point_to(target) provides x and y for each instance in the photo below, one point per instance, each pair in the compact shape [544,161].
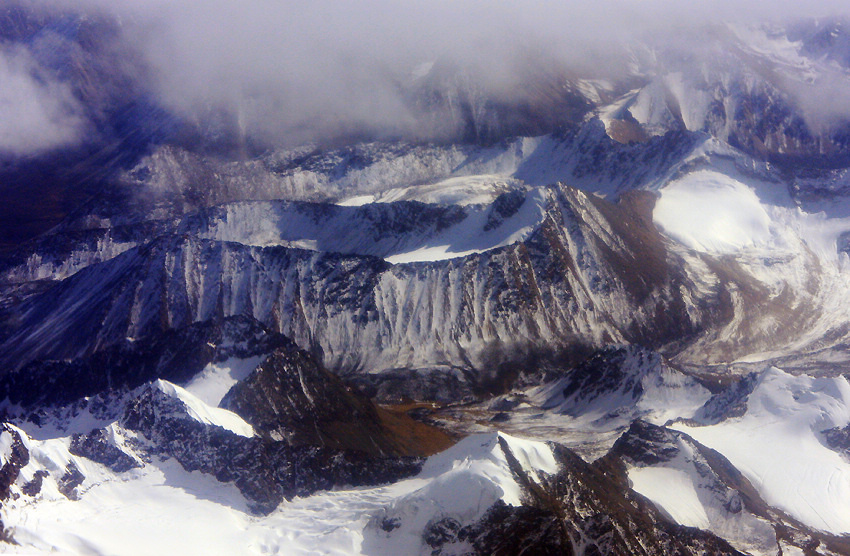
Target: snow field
[161,508]
[777,445]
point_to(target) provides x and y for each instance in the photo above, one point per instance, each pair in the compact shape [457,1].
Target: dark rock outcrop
[175,355]
[95,446]
[265,471]
[291,397]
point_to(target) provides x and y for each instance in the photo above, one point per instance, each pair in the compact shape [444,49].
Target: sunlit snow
[204,413]
[673,490]
[777,445]
[217,378]
[712,213]
[161,508]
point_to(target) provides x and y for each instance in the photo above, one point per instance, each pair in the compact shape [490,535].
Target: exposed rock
[290,397]
[173,354]
[69,482]
[96,446]
[838,439]
[730,402]
[17,456]
[33,487]
[265,471]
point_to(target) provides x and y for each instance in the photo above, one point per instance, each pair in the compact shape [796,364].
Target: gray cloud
[292,71]
[39,112]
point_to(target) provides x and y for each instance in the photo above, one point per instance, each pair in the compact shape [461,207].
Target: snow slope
[200,411]
[672,470]
[777,445]
[161,508]
[214,381]
[401,231]
[712,213]
[619,385]
[473,236]
[674,491]
[792,277]
[461,483]
[460,190]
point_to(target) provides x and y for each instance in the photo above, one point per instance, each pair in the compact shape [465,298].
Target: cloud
[287,71]
[39,112]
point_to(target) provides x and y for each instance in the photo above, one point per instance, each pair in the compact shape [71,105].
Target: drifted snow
[204,413]
[776,444]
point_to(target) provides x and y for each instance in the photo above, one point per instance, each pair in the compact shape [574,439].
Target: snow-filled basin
[712,213]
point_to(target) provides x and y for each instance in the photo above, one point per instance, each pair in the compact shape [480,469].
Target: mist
[288,72]
[39,110]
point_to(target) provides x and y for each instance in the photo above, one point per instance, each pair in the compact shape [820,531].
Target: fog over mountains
[448,278]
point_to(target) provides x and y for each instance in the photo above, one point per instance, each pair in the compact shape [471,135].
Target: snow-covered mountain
[603,313]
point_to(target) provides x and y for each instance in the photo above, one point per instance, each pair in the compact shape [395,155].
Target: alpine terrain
[279,280]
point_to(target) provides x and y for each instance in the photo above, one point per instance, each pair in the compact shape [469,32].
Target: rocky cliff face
[264,471]
[574,281]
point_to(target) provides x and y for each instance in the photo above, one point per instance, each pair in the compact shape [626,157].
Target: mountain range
[599,313]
